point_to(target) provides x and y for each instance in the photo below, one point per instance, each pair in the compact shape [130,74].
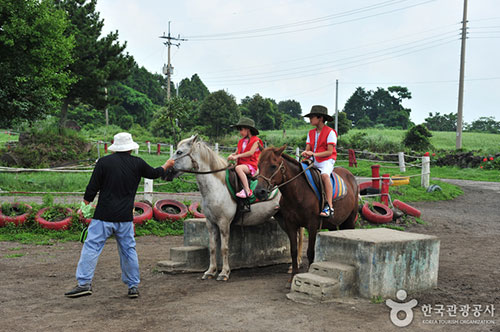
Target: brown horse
[299,206]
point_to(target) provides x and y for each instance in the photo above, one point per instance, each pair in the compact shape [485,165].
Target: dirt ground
[32,286]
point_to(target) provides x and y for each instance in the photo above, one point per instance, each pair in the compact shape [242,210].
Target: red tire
[193,208]
[175,210]
[17,220]
[56,225]
[147,213]
[408,209]
[380,214]
[364,185]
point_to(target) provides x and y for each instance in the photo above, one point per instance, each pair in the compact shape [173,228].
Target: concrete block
[249,246]
[193,255]
[172,267]
[344,274]
[317,287]
[386,260]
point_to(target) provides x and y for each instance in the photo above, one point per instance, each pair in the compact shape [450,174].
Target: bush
[417,138]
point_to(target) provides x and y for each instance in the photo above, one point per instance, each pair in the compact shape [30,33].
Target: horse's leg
[292,236]
[313,230]
[299,249]
[224,228]
[212,236]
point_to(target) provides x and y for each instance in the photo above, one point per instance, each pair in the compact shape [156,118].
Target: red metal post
[105,147]
[158,149]
[376,176]
[384,199]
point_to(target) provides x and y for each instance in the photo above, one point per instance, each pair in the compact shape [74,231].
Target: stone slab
[386,260]
[249,246]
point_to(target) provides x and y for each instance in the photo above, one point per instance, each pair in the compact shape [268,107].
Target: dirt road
[32,285]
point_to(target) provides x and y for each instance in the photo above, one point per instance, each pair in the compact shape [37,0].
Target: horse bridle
[281,168]
[196,166]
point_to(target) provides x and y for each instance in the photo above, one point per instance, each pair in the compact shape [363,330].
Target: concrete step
[345,275]
[316,287]
[190,255]
[177,267]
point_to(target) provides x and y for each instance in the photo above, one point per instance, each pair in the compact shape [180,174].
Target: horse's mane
[284,155]
[212,158]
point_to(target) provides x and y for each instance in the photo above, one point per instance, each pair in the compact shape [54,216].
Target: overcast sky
[296,49]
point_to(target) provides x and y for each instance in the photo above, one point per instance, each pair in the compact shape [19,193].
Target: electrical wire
[355,63]
[192,38]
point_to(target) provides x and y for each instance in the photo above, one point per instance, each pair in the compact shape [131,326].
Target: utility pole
[336,106]
[169,70]
[461,81]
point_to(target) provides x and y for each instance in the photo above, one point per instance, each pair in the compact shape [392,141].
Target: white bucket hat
[123,142]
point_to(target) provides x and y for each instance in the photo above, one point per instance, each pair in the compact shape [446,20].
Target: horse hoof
[222,278]
[207,276]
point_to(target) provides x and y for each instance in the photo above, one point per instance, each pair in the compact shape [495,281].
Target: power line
[169,42]
[199,38]
[315,56]
[321,65]
[356,63]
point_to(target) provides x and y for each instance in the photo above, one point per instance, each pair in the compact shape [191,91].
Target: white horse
[217,204]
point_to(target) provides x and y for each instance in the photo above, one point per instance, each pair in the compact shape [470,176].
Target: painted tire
[56,225]
[17,220]
[147,213]
[364,185]
[193,208]
[408,209]
[176,206]
[377,217]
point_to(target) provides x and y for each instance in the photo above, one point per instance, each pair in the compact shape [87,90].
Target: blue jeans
[98,233]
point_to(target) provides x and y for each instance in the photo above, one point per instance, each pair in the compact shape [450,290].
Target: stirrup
[326,212]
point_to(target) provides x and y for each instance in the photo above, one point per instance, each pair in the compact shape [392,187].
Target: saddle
[234,185]
[313,177]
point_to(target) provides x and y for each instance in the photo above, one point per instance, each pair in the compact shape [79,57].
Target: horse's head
[271,170]
[183,158]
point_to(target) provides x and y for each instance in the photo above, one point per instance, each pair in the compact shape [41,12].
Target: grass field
[488,143]
[4,137]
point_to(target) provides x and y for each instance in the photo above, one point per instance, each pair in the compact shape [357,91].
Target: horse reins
[283,170]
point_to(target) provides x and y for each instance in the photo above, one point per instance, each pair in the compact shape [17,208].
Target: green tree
[368,108]
[175,117]
[344,124]
[291,108]
[97,60]
[193,89]
[34,56]
[218,112]
[485,124]
[438,122]
[417,138]
[152,85]
[128,101]
[264,111]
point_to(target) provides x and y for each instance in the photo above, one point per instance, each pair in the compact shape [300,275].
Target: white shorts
[326,167]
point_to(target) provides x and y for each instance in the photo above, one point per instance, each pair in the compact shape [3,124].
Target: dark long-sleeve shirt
[116,178]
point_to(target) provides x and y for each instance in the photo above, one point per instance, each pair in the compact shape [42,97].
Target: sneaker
[133,292]
[327,212]
[243,194]
[80,290]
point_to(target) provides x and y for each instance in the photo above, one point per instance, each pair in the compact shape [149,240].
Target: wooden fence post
[297,154]
[149,146]
[217,147]
[426,171]
[401,158]
[158,149]
[376,176]
[148,190]
[171,151]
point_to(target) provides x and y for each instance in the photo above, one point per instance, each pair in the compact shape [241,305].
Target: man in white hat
[116,178]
